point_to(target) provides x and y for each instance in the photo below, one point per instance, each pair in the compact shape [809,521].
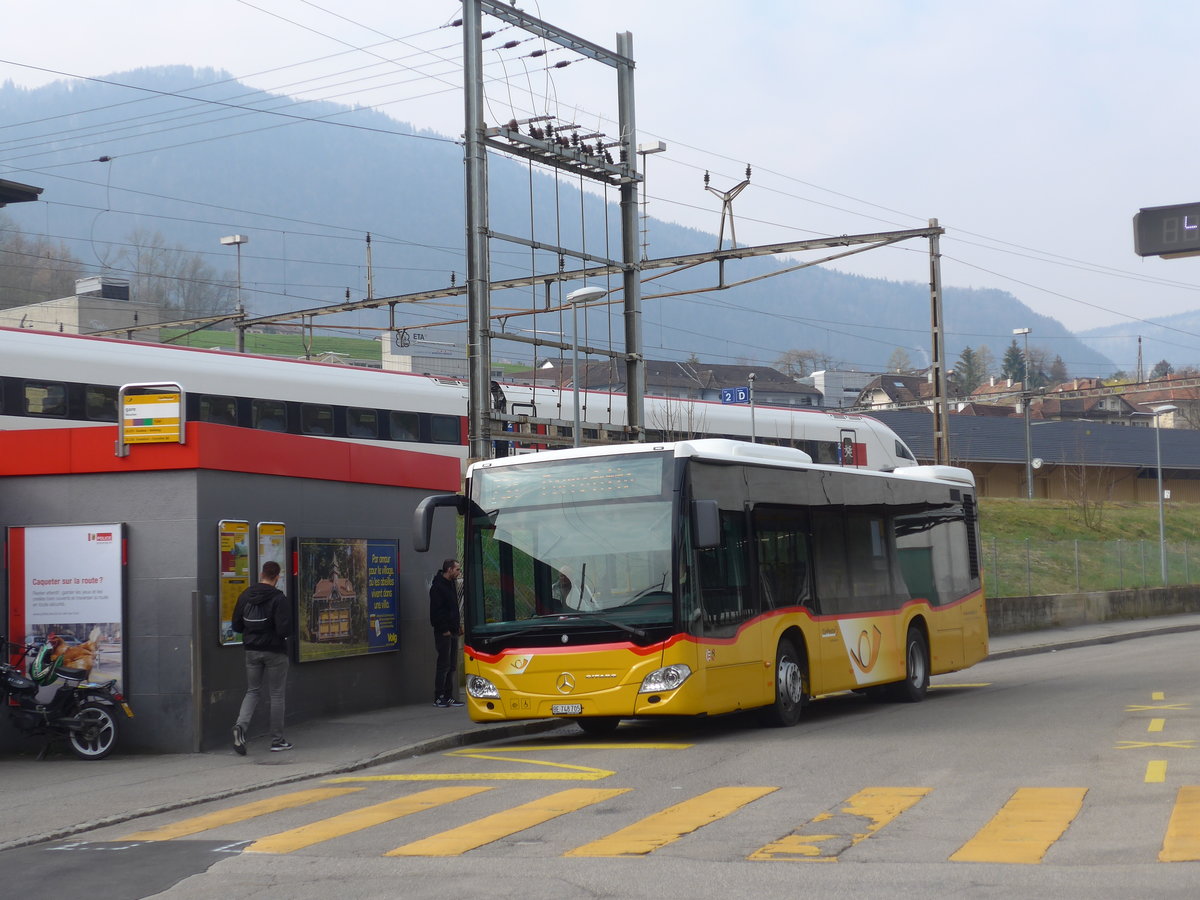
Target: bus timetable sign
[1167,231]
[735,395]
[149,414]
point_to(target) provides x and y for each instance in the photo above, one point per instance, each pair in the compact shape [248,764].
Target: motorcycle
[82,711]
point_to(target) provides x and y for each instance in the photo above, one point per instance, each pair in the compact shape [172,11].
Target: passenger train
[50,379]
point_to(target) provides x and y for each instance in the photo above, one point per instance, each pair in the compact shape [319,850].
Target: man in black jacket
[447,626]
[264,619]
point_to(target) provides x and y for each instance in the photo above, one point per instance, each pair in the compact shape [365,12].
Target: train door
[849,449]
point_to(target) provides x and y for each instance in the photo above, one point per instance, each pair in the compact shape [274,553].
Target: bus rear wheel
[916,668]
[791,686]
[598,726]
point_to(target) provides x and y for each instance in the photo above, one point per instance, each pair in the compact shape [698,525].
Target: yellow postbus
[709,576]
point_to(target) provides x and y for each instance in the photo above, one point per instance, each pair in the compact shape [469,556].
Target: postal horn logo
[867,651]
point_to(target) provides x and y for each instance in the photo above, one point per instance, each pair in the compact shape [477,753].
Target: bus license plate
[566,709]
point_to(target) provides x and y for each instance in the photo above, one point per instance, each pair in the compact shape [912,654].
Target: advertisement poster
[233,541]
[348,597]
[66,588]
[272,547]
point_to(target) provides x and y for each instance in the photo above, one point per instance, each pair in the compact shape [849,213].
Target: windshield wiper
[548,621]
[607,621]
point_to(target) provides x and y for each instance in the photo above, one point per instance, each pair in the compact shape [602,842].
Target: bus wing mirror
[706,524]
[423,517]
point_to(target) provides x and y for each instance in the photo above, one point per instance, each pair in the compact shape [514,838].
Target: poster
[66,587]
[348,600]
[272,547]
[233,541]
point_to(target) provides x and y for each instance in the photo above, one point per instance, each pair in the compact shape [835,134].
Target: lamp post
[1028,441]
[583,295]
[237,240]
[1162,531]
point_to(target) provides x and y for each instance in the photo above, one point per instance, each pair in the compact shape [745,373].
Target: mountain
[185,158]
[1166,338]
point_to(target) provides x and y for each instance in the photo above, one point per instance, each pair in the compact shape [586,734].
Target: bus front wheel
[791,681]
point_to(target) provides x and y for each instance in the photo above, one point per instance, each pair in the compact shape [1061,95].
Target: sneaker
[239,740]
[453,702]
[280,744]
[441,703]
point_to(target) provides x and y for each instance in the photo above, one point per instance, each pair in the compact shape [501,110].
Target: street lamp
[1162,531]
[237,240]
[1028,441]
[583,295]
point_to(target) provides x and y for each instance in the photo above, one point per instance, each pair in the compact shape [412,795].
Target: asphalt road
[1069,774]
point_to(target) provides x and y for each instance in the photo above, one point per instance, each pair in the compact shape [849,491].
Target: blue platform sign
[735,395]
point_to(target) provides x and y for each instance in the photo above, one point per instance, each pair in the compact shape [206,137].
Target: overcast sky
[1033,131]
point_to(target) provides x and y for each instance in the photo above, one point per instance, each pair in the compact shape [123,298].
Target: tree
[1161,369]
[1013,366]
[899,361]
[1039,366]
[1058,371]
[986,361]
[967,371]
[798,363]
[173,278]
[35,268]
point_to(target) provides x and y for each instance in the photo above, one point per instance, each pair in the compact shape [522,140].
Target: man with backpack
[264,619]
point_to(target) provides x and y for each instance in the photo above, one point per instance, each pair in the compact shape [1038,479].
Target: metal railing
[1030,568]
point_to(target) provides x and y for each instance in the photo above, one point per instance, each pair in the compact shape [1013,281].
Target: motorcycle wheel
[99,734]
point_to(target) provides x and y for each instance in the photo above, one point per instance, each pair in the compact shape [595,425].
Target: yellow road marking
[459,840]
[1025,828]
[572,773]
[1156,771]
[1182,841]
[1143,708]
[221,817]
[1158,695]
[672,823]
[1156,724]
[1141,745]
[869,810]
[358,819]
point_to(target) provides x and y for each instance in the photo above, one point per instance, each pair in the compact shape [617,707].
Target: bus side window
[404,426]
[268,415]
[100,403]
[218,410]
[781,543]
[829,561]
[723,587]
[46,398]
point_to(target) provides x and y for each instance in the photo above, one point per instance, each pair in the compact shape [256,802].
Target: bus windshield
[584,541]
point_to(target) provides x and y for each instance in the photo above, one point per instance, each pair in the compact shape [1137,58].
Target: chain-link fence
[1029,568]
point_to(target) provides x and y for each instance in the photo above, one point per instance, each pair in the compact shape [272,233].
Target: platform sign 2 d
[735,395]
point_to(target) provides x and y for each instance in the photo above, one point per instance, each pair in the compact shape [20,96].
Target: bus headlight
[665,679]
[481,688]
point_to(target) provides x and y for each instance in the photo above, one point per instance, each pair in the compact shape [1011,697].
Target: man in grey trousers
[263,616]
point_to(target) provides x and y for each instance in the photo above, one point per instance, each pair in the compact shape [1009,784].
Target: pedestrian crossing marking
[196,824]
[831,833]
[359,819]
[1182,840]
[1025,828]
[573,772]
[467,837]
[1156,725]
[1141,745]
[1156,771]
[1158,695]
[671,824]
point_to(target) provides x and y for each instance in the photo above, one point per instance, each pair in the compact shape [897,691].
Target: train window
[46,398]
[218,410]
[405,426]
[100,403]
[269,415]
[316,419]
[363,423]
[445,429]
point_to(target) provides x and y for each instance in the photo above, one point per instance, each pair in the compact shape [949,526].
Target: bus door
[730,652]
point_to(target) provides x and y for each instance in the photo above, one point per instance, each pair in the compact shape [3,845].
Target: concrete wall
[1010,615]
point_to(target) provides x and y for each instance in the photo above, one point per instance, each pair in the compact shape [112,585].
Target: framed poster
[272,547]
[66,586]
[233,573]
[347,594]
